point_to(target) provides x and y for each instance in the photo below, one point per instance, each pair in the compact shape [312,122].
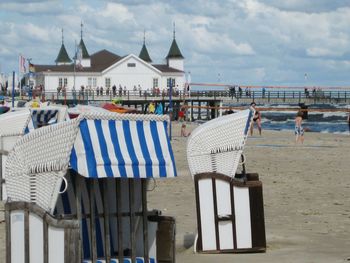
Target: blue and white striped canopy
[41,117]
[123,148]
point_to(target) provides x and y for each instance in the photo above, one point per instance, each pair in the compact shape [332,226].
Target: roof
[63,56]
[83,47]
[144,54]
[99,62]
[174,51]
[166,68]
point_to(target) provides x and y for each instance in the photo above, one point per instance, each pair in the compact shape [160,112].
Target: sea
[324,122]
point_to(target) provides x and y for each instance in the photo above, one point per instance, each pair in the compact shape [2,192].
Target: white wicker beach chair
[13,125]
[37,163]
[229,212]
[217,145]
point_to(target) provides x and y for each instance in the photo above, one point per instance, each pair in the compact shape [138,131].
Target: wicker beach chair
[92,170]
[14,125]
[217,145]
[229,210]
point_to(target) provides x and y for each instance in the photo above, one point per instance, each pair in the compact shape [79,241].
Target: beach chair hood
[216,146]
[123,145]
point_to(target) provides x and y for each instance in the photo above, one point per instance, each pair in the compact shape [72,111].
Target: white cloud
[212,42]
[260,41]
[32,8]
[116,13]
[35,32]
[322,52]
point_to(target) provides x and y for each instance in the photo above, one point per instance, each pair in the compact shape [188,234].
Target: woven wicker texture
[127,116]
[37,163]
[217,145]
[14,123]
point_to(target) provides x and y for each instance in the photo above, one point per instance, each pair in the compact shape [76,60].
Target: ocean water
[323,122]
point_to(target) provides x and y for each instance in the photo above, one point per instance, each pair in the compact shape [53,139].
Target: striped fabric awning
[41,117]
[123,148]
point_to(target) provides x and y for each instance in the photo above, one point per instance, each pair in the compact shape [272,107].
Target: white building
[106,69]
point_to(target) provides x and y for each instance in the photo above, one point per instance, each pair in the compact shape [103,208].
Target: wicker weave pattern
[37,163]
[14,123]
[217,145]
[126,116]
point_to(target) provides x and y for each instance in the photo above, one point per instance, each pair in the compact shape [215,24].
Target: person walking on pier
[299,130]
[256,119]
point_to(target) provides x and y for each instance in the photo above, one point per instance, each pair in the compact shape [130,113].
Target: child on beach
[299,130]
[184,133]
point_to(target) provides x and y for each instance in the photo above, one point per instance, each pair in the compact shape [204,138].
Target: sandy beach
[306,199]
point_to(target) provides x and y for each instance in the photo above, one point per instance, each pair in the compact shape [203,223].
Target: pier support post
[191,111]
[220,111]
[199,117]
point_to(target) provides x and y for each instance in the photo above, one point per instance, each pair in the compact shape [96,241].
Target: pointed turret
[85,57]
[144,53]
[174,57]
[63,58]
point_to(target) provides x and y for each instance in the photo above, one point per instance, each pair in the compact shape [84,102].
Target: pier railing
[273,96]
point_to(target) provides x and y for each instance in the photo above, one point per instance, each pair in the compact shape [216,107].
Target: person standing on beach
[256,119]
[299,130]
[151,107]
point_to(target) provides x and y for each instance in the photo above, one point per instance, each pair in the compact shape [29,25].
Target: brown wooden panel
[257,217]
[256,208]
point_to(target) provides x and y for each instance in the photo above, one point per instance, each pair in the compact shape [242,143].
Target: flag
[22,64]
[31,67]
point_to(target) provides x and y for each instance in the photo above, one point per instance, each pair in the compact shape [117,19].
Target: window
[131,65]
[108,82]
[172,82]
[62,82]
[155,83]
[92,82]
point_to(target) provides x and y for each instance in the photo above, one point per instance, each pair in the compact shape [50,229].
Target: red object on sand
[119,109]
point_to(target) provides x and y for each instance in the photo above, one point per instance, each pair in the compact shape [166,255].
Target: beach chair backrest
[38,161]
[216,146]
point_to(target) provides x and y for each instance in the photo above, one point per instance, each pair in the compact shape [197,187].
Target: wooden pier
[201,105]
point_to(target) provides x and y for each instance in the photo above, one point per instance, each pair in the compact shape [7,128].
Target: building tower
[174,58]
[63,58]
[83,56]
[144,53]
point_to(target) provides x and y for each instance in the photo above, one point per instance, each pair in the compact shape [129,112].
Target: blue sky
[246,42]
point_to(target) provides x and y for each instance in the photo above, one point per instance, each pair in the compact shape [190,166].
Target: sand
[306,199]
